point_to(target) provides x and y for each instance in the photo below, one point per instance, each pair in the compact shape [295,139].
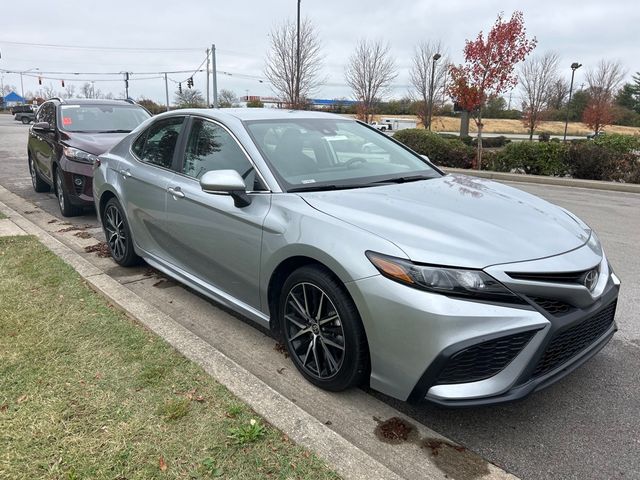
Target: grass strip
[87,393]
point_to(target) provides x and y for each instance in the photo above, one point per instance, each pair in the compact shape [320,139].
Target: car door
[212,239]
[44,144]
[145,175]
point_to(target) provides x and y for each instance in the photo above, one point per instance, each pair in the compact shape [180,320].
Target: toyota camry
[370,263]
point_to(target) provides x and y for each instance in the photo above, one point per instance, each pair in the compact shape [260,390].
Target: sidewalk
[339,428]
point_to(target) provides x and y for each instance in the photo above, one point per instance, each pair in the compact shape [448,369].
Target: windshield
[101,118]
[312,154]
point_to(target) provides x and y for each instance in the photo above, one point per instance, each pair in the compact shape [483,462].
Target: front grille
[563,277]
[554,307]
[483,360]
[572,341]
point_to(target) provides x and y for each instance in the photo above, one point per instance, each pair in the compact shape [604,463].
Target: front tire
[66,208]
[39,185]
[25,121]
[116,229]
[322,330]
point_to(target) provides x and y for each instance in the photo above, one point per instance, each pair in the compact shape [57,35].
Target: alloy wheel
[116,233]
[313,329]
[59,191]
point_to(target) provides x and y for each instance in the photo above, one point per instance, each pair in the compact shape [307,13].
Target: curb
[347,459]
[544,180]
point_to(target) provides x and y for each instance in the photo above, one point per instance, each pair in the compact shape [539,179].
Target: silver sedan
[371,264]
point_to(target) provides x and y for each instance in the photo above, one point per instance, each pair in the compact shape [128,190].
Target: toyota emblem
[590,279]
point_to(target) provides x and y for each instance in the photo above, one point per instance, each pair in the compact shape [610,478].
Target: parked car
[383,127]
[65,140]
[372,268]
[26,108]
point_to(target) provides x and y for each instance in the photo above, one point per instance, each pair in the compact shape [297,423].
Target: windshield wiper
[410,178]
[320,188]
[114,131]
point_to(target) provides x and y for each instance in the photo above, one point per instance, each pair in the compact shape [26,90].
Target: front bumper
[78,179]
[415,335]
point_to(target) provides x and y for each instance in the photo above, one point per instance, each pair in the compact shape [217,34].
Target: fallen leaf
[162,464]
[4,407]
[23,398]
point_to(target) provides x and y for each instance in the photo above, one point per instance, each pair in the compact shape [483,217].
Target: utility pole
[297,95]
[215,76]
[166,89]
[208,103]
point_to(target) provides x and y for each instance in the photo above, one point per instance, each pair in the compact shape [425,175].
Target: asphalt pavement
[587,426]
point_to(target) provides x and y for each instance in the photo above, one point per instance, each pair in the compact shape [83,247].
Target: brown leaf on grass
[4,407]
[23,398]
[162,464]
[98,376]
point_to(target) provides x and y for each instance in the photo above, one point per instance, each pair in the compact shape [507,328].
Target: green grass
[2,215]
[87,393]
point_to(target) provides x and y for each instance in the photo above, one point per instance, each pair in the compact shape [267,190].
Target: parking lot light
[574,67]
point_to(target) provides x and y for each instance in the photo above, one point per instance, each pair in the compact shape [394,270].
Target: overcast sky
[578,30]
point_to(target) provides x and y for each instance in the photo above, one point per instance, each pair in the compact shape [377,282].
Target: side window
[157,145]
[211,147]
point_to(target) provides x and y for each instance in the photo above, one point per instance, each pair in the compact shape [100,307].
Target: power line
[95,47]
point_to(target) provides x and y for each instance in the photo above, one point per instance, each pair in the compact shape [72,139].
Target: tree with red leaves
[603,81]
[489,67]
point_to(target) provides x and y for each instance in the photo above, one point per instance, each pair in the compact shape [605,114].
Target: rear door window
[158,143]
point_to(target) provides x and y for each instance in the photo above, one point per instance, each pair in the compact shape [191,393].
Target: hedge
[610,157]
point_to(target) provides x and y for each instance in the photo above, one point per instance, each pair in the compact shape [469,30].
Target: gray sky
[578,30]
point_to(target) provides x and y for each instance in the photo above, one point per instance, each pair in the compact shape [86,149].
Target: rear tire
[25,121]
[116,229]
[322,329]
[39,185]
[66,208]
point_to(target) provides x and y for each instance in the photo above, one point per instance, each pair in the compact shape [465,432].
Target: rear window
[101,118]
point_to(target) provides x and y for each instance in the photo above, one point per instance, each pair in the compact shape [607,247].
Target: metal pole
[21,85]
[126,85]
[208,104]
[433,74]
[215,76]
[574,67]
[166,90]
[297,99]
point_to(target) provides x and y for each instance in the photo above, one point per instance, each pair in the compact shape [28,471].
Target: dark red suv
[66,139]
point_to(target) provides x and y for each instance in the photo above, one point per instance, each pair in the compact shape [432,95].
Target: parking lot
[587,426]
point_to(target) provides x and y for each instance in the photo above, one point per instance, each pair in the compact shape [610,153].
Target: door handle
[125,173]
[176,192]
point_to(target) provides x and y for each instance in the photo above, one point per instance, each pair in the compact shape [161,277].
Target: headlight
[447,281]
[79,155]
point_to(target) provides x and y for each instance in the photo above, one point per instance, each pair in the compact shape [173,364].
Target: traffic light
[126,79]
[180,87]
[190,82]
[39,80]
[62,83]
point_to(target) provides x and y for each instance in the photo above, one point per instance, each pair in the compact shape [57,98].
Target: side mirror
[226,182]
[426,158]
[42,126]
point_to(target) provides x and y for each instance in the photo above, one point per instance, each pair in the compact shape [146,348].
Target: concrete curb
[347,459]
[541,179]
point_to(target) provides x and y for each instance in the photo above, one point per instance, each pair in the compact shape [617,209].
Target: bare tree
[49,91]
[282,62]
[420,76]
[189,98]
[558,94]
[69,91]
[227,99]
[537,76]
[369,73]
[603,81]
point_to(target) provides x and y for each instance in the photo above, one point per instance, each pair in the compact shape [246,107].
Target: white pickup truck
[381,126]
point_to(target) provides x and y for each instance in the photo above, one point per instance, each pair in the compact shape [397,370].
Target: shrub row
[609,157]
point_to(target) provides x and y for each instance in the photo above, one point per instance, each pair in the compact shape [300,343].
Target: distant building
[316,103]
[12,99]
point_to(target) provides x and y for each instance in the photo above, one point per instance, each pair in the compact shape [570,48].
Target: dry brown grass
[452,124]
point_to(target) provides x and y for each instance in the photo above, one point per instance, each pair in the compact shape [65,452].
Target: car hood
[457,220]
[95,143]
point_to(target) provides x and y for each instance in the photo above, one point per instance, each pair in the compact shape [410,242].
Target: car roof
[248,114]
[96,101]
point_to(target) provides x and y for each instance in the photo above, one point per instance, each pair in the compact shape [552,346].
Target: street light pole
[21,82]
[297,93]
[436,57]
[574,67]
